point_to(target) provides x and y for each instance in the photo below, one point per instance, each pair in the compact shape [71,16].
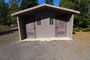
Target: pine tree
[13,7]
[83,19]
[28,3]
[49,2]
[3,12]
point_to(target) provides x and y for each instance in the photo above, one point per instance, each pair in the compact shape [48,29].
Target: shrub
[86,29]
[77,29]
[3,27]
[88,26]
[13,25]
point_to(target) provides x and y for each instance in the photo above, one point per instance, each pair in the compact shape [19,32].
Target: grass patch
[5,27]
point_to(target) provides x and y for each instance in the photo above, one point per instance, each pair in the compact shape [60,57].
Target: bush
[13,25]
[88,26]
[3,27]
[86,29]
[77,29]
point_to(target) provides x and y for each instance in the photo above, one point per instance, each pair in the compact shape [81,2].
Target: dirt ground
[77,49]
[82,36]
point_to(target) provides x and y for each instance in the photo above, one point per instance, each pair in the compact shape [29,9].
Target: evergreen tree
[3,13]
[49,2]
[83,19]
[14,7]
[28,3]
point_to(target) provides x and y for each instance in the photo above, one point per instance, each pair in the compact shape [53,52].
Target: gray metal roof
[41,7]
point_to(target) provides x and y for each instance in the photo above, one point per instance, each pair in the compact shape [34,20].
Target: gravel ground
[11,49]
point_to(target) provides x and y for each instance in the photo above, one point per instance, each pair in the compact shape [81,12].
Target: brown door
[61,26]
[30,27]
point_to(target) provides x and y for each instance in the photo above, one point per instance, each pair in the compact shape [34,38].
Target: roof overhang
[44,6]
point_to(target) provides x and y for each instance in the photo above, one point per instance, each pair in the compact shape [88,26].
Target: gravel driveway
[11,49]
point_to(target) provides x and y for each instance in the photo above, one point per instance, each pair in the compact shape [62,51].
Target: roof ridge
[42,5]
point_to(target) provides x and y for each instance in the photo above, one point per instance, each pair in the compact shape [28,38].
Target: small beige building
[45,22]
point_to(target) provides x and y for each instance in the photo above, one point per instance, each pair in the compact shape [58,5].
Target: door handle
[33,28]
[57,27]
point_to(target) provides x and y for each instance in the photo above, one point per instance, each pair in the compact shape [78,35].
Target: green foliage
[3,13]
[14,6]
[83,19]
[76,29]
[13,25]
[6,9]
[49,2]
[86,29]
[3,27]
[28,3]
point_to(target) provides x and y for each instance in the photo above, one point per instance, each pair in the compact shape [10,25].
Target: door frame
[26,17]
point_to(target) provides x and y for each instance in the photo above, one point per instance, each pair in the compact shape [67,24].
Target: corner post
[18,22]
[70,25]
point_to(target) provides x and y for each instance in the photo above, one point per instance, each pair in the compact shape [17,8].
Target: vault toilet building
[45,22]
